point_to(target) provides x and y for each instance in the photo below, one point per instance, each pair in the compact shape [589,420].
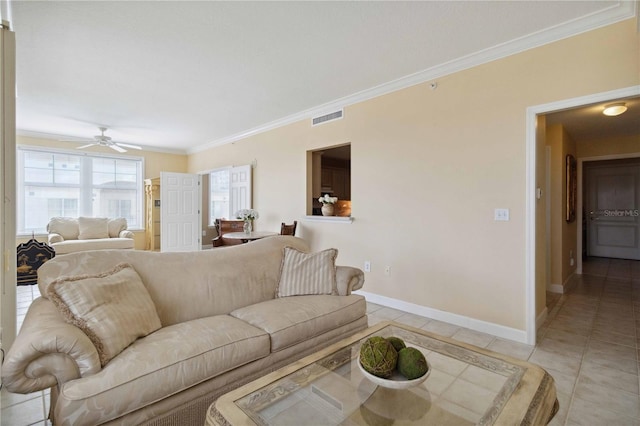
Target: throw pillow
[92,228]
[113,308]
[116,226]
[307,273]
[66,227]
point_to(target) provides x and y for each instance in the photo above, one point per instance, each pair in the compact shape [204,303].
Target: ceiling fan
[103,140]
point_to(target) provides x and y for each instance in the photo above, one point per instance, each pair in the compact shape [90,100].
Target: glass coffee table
[467,385]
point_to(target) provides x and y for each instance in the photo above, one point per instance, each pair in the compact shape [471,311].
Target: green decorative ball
[378,357]
[398,343]
[412,363]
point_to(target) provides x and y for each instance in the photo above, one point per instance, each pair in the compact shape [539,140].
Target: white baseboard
[564,287]
[555,288]
[455,319]
[542,318]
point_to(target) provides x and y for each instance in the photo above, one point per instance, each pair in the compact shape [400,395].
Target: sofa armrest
[348,279]
[55,238]
[47,352]
[126,234]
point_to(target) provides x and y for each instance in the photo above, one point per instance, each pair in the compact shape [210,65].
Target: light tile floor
[590,344]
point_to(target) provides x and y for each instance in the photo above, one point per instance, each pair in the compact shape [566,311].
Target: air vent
[326,118]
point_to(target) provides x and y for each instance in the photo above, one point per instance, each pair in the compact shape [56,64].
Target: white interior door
[613,222]
[180,222]
[240,188]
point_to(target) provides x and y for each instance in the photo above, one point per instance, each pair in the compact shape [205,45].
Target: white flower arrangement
[328,200]
[247,214]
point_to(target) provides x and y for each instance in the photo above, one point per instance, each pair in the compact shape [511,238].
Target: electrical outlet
[367,266]
[387,270]
[204,233]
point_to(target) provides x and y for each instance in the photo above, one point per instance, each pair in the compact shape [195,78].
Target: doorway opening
[536,223]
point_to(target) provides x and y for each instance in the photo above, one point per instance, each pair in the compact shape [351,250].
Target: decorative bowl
[397,380]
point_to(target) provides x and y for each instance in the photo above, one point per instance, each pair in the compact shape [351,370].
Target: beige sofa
[221,326]
[69,235]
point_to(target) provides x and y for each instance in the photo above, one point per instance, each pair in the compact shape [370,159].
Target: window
[62,207]
[219,195]
[331,175]
[59,183]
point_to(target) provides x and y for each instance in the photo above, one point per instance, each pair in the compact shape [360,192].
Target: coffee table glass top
[467,386]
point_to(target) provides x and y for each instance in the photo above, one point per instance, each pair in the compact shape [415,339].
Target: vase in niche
[327,209]
[247,227]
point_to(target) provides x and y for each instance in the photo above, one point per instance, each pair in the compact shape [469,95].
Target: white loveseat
[221,319]
[68,235]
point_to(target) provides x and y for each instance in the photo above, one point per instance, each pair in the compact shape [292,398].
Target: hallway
[589,344]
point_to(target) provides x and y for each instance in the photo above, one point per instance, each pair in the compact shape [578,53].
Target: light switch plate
[501,215]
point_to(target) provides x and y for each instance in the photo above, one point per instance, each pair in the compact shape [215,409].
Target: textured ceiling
[183,75]
[587,123]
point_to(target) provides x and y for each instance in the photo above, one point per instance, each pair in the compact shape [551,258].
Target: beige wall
[428,169]
[609,146]
[563,234]
[154,163]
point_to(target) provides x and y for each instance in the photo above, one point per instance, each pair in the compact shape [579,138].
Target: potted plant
[248,216]
[328,204]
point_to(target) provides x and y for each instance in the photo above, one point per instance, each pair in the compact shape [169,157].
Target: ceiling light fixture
[614,109]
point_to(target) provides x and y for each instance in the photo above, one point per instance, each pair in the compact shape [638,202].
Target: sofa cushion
[71,246]
[291,320]
[307,273]
[66,227]
[164,363]
[93,227]
[113,308]
[116,226]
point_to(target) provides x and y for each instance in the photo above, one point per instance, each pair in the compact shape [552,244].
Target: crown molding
[618,11]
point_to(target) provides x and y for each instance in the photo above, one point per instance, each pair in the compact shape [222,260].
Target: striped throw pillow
[307,273]
[112,308]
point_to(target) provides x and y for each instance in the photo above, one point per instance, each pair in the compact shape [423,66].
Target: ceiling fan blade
[86,146]
[117,148]
[126,145]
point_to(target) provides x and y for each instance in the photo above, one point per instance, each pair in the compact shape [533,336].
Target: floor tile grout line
[584,351]
[44,407]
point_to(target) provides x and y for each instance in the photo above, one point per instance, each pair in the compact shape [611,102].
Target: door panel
[616,236]
[180,212]
[240,188]
[613,195]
